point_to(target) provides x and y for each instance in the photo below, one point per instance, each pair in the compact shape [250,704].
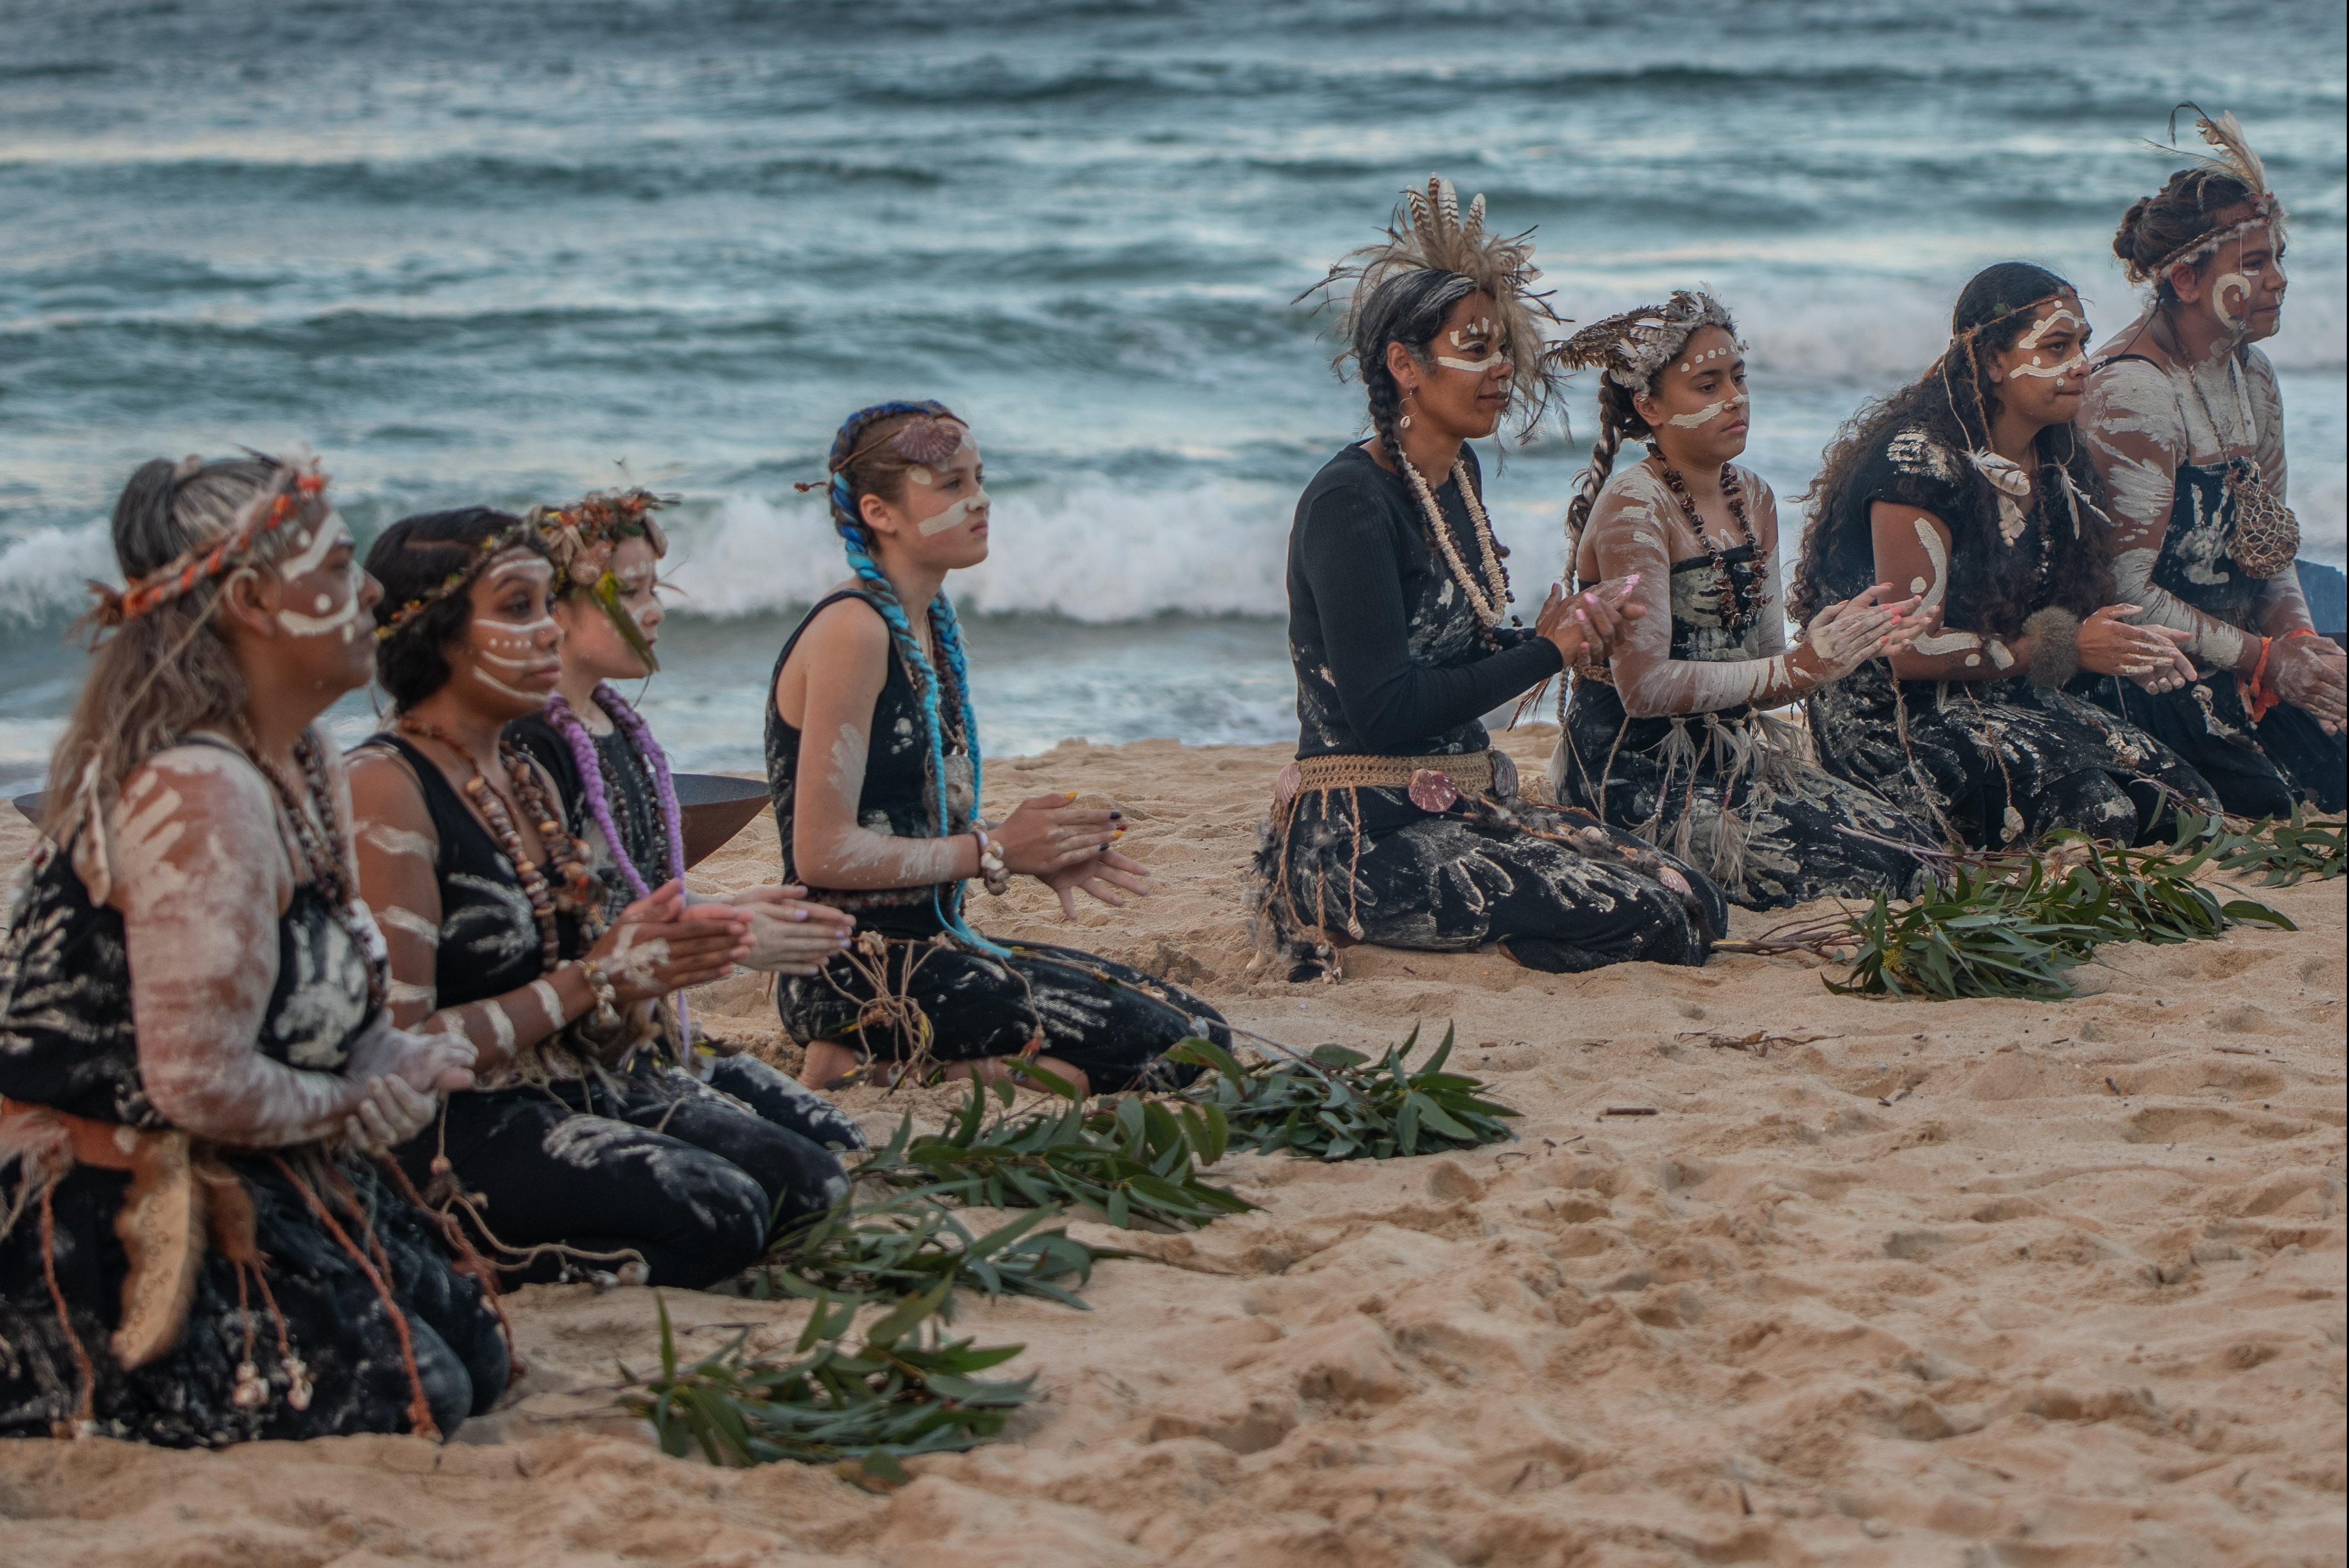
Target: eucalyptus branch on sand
[1331,1103]
[905,1390]
[2012,923]
[909,1243]
[1126,1157]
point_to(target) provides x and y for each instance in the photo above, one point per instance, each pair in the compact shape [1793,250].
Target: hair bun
[2125,238]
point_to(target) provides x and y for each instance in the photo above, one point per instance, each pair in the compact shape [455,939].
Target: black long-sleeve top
[1391,659]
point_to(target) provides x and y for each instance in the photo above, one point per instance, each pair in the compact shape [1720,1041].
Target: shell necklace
[1491,601]
[1736,609]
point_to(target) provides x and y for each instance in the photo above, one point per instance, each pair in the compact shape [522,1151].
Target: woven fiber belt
[1434,781]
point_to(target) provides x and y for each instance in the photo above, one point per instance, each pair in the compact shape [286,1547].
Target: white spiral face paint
[1709,413]
[313,548]
[2237,284]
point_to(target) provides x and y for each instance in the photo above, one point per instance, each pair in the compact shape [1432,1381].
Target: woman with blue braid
[872,761]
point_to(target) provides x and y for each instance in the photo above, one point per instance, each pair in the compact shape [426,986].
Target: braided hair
[1617,420]
[866,460]
[1407,307]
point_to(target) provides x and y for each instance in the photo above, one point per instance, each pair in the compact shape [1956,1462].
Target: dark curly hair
[1993,590]
[414,557]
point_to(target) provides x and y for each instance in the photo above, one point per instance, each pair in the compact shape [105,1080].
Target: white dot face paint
[2075,366]
[1691,363]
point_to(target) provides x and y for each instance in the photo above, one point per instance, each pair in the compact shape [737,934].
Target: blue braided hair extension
[845,519]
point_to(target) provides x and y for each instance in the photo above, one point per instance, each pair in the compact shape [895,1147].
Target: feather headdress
[1633,346]
[1430,232]
[2230,158]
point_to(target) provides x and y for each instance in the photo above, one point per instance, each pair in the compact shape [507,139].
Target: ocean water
[492,251]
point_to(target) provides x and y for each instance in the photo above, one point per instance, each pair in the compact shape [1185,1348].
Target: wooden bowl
[715,809]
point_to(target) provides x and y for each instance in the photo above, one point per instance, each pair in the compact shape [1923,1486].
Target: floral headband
[580,540]
[494,545]
[298,484]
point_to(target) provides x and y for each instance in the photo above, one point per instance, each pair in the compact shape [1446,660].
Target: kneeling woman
[613,780]
[1699,536]
[2185,421]
[1397,824]
[496,930]
[1970,489]
[872,757]
[199,1248]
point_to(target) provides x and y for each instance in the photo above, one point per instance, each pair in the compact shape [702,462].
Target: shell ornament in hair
[296,485]
[1633,346]
[932,441]
[1430,232]
[2232,156]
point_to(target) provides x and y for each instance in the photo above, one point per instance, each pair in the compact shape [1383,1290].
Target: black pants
[1557,889]
[658,1166]
[2259,769]
[1110,1022]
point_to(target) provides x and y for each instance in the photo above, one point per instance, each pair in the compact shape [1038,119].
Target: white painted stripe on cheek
[953,516]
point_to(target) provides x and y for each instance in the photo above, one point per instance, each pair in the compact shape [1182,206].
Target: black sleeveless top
[488,938]
[897,795]
[1912,468]
[68,1040]
[630,790]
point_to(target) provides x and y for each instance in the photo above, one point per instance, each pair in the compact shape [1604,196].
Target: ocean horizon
[505,251]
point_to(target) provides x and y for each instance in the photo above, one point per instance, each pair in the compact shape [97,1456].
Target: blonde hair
[166,672]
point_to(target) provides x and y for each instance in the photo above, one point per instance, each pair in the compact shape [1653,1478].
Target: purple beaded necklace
[599,801]
[591,778]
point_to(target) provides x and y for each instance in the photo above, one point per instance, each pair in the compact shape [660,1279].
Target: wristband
[991,869]
[608,995]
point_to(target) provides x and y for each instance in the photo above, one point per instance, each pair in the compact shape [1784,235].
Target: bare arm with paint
[201,876]
[1637,529]
[828,689]
[1912,546]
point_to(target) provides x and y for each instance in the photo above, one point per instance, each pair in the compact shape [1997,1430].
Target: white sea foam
[1090,552]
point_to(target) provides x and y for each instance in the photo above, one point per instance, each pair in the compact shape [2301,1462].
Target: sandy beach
[1881,1283]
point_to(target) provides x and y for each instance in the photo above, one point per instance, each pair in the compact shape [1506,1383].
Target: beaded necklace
[1737,607]
[569,855]
[1491,601]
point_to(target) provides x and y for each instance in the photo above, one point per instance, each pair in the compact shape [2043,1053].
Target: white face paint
[2075,366]
[312,548]
[1709,413]
[958,515]
[1481,329]
[2226,283]
[2060,317]
[1694,360]
[513,646]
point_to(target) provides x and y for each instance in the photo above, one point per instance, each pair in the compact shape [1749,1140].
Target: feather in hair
[1429,233]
